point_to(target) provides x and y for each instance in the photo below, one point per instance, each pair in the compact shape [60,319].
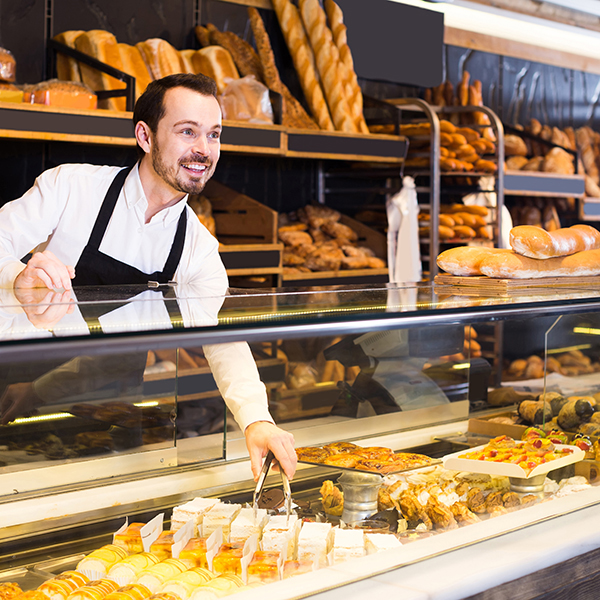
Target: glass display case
[112,398]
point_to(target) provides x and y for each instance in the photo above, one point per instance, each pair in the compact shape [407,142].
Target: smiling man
[101,225]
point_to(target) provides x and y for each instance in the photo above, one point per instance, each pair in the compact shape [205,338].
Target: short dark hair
[150,106]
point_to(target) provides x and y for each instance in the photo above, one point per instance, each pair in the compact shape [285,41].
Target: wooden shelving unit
[39,122]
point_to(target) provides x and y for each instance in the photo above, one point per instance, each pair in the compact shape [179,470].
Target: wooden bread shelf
[49,123]
[493,287]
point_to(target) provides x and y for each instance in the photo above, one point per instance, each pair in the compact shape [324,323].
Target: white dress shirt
[58,213]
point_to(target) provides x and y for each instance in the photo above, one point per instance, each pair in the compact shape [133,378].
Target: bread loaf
[67,68]
[244,56]
[102,45]
[186,58]
[217,63]
[304,61]
[514,266]
[160,57]
[294,114]
[134,64]
[535,242]
[465,261]
[340,38]
[328,64]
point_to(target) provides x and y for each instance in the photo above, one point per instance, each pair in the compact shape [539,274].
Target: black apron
[96,268]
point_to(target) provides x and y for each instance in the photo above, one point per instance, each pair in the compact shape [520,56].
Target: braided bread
[304,61]
[294,114]
[353,91]
[244,55]
[328,64]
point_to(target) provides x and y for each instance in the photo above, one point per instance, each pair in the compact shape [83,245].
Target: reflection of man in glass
[100,225]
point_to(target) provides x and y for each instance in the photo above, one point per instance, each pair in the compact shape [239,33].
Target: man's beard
[174,180]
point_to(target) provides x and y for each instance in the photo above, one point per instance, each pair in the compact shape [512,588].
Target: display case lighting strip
[499,23]
[41,418]
[587,330]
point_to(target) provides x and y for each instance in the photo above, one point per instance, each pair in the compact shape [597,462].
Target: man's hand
[46,271]
[44,307]
[263,436]
[18,400]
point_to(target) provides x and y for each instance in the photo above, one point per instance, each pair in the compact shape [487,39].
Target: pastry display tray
[434,461]
[453,462]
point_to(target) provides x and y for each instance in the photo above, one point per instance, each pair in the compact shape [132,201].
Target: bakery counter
[409,373]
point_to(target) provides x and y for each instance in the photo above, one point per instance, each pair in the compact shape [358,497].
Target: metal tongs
[261,483]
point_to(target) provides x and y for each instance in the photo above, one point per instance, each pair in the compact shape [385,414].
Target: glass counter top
[125,310]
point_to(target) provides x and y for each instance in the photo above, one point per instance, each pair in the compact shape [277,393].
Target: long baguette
[515,266]
[304,61]
[335,17]
[294,114]
[536,242]
[328,64]
[465,261]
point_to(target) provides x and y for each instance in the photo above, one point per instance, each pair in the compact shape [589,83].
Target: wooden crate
[366,237]
[247,232]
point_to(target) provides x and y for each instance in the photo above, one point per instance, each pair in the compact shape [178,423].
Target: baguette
[340,38]
[514,266]
[466,261]
[328,64]
[101,45]
[304,61]
[67,68]
[294,114]
[535,242]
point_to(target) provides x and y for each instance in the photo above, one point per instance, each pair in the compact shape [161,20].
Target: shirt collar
[135,197]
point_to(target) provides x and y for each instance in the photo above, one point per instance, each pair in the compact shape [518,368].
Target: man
[94,225]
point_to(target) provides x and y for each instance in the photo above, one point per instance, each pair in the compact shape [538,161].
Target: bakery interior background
[516,89]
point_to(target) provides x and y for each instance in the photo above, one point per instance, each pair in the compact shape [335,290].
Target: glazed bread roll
[328,64]
[160,57]
[217,63]
[67,68]
[514,266]
[304,61]
[466,261]
[536,242]
[102,45]
[340,38]
[133,64]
